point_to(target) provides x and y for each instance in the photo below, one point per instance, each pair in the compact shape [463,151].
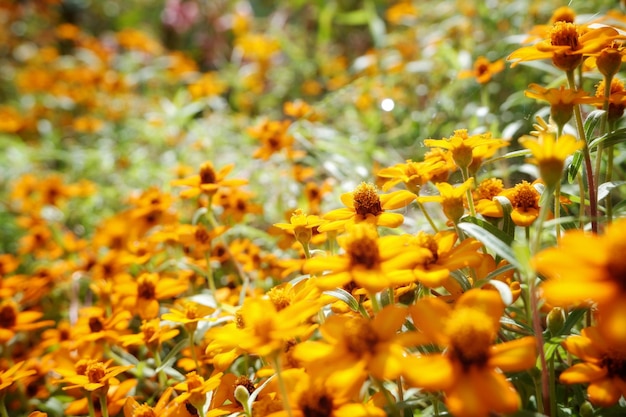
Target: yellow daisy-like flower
[371,262]
[524,199]
[365,204]
[566,45]
[468,149]
[450,198]
[483,70]
[469,370]
[587,268]
[413,174]
[208,181]
[562,100]
[301,226]
[603,367]
[550,154]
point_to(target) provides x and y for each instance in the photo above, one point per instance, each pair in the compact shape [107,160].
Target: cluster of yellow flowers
[173,307]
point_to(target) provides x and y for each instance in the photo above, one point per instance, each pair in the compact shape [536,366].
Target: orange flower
[483,197]
[483,70]
[451,199]
[15,373]
[13,321]
[189,314]
[567,44]
[602,367]
[355,347]
[92,375]
[371,262]
[549,154]
[195,389]
[469,370]
[143,295]
[364,204]
[524,199]
[161,409]
[587,268]
[413,174]
[207,181]
[562,100]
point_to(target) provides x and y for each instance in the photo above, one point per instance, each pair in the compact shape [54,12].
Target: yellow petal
[514,356]
[431,372]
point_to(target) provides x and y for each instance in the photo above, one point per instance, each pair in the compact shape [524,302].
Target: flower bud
[555,320]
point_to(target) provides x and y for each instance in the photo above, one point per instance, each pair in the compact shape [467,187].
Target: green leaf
[344,296]
[592,121]
[574,167]
[605,189]
[613,138]
[490,236]
[508,227]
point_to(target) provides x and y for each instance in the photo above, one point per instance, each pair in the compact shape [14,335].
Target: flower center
[525,197]
[95,325]
[95,372]
[360,337]
[362,247]
[201,236]
[489,188]
[8,316]
[429,242]
[207,174]
[615,365]
[82,365]
[144,411]
[245,382]
[316,404]
[279,297]
[471,335]
[366,200]
[146,286]
[564,34]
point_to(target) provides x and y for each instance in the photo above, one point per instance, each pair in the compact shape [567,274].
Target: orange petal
[514,356]
[582,373]
[604,393]
[431,372]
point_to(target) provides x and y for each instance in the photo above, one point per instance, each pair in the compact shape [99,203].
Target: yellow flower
[14,373]
[371,262]
[468,149]
[469,371]
[355,347]
[617,98]
[483,70]
[92,375]
[587,268]
[550,154]
[260,328]
[301,226]
[365,204]
[195,389]
[189,314]
[562,100]
[133,409]
[451,199]
[483,197]
[413,174]
[311,396]
[603,367]
[207,181]
[524,199]
[142,296]
[566,46]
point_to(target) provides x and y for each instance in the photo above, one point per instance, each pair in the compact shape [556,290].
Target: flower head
[483,70]
[562,100]
[550,154]
[451,199]
[207,181]
[468,149]
[469,370]
[524,199]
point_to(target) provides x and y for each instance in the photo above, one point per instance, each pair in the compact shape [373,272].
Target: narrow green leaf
[605,189]
[592,121]
[508,227]
[613,138]
[344,296]
[574,167]
[491,237]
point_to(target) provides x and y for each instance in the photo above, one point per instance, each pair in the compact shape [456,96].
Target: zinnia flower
[603,367]
[587,268]
[469,370]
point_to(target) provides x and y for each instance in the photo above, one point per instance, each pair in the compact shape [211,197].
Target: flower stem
[468,193]
[104,408]
[281,386]
[92,411]
[593,201]
[430,219]
[192,346]
[3,406]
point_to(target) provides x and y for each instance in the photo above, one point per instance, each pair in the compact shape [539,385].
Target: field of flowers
[295,208]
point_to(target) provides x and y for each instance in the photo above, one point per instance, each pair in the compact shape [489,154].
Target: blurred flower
[469,371]
[13,321]
[274,137]
[133,409]
[207,181]
[143,295]
[195,389]
[92,375]
[587,268]
[603,366]
[413,174]
[483,70]
[617,98]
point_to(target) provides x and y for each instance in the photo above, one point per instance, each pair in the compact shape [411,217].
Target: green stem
[281,386]
[553,402]
[3,406]
[593,201]
[375,304]
[158,363]
[557,210]
[104,408]
[92,411]
[609,178]
[430,220]
[468,193]
[603,126]
[543,215]
[192,346]
[388,397]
